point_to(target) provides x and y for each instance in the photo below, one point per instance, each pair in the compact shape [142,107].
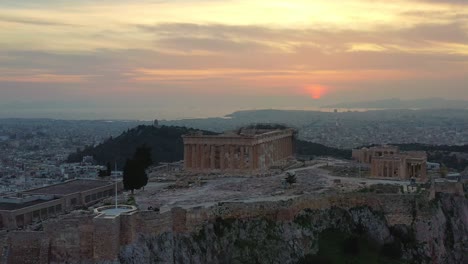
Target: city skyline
[199,57]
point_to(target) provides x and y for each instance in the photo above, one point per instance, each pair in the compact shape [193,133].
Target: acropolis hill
[224,209]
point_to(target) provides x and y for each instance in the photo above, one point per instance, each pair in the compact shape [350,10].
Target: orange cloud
[40,76]
[45,78]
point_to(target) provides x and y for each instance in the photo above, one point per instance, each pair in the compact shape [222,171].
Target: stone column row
[231,157]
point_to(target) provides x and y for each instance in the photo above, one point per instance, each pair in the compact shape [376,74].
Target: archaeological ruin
[247,149]
[389,162]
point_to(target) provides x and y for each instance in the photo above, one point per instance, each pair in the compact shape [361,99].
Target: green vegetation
[382,188]
[167,146]
[134,173]
[290,179]
[165,142]
[442,154]
[306,148]
[425,147]
[222,224]
[107,172]
[245,244]
[336,247]
[200,236]
[443,171]
[131,201]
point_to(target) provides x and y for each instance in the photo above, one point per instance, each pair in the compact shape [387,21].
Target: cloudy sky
[187,58]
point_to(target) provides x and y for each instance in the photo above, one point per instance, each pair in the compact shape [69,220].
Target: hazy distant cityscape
[34,150]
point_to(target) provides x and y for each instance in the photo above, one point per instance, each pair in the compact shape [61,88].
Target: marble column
[255,157]
[251,158]
[283,148]
[241,157]
[201,156]
[392,169]
[390,174]
[222,157]
[194,156]
[186,156]
[231,157]
[212,157]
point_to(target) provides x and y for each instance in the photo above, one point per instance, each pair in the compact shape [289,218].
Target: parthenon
[248,149]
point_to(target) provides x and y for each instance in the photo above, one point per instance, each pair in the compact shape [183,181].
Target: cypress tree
[134,174]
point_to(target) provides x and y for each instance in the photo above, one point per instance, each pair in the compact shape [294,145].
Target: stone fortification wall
[30,247]
[449,187]
[70,238]
[106,238]
[398,209]
[152,222]
[128,228]
[87,239]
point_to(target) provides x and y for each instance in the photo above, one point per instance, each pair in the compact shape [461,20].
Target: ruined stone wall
[70,238]
[29,248]
[398,209]
[153,222]
[86,239]
[449,187]
[128,228]
[106,238]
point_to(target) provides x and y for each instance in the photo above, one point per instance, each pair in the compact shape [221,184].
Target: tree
[143,156]
[134,173]
[443,171]
[107,172]
[290,178]
[102,173]
[109,169]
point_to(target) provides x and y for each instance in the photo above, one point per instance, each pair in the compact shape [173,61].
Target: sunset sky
[189,58]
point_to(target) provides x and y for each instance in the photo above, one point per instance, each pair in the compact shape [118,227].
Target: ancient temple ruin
[389,162]
[247,149]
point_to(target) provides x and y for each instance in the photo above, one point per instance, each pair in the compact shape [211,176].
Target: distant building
[248,149]
[42,203]
[80,170]
[88,159]
[365,155]
[389,162]
[156,123]
[433,166]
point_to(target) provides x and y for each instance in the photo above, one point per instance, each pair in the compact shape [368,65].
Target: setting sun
[316,91]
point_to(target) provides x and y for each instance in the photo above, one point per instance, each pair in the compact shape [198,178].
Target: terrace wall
[88,238]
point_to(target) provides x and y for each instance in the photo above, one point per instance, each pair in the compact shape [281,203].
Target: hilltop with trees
[165,143]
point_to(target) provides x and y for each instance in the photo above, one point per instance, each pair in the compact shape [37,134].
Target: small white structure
[433,166]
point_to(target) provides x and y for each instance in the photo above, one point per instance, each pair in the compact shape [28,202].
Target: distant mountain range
[395,103]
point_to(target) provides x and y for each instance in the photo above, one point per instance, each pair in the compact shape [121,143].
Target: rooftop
[245,132]
[16,206]
[69,187]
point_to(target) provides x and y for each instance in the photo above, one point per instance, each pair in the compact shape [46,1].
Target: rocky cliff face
[438,233]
